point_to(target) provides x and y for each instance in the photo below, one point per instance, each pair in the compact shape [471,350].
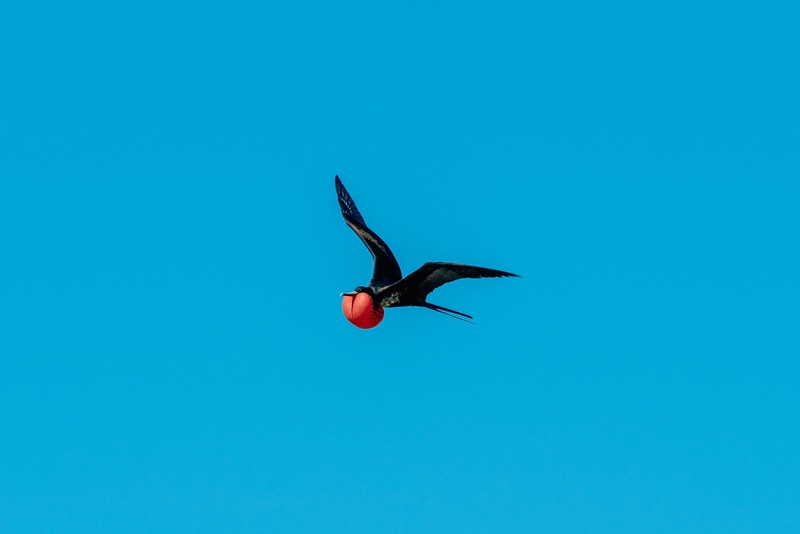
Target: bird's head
[360,308]
[356,291]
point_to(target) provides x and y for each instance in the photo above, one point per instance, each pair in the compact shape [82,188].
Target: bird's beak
[351,294]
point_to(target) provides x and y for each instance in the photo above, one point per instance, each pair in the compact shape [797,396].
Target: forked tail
[448,312]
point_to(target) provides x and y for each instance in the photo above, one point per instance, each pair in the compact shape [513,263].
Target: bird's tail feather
[449,312]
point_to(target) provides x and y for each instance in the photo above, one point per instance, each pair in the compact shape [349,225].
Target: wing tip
[497,273]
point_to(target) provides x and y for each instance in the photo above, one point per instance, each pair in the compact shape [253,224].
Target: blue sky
[173,356]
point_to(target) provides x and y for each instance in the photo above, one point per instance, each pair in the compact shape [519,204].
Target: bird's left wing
[385,269]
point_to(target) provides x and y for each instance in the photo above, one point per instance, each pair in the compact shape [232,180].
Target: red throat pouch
[361,311]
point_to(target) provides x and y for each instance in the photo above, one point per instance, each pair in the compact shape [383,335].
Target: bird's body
[388,289]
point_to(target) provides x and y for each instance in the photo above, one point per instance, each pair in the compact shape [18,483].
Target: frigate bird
[364,306]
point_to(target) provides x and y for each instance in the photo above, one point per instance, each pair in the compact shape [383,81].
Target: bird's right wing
[421,282]
[385,269]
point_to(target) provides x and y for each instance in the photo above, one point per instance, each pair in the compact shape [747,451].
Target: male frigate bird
[388,289]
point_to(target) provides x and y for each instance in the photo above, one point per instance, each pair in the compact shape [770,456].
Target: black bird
[388,289]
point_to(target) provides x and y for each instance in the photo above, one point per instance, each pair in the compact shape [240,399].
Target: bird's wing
[385,269]
[421,282]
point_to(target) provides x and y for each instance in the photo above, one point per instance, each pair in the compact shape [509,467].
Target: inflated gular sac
[361,311]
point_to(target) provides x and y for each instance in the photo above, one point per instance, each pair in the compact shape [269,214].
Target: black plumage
[385,269]
[388,288]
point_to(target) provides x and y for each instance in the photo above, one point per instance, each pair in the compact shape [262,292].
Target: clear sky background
[173,355]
